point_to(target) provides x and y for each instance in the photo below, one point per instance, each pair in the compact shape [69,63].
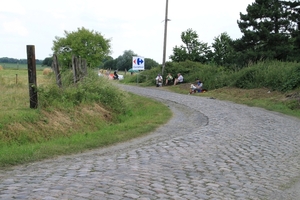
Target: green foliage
[280,76]
[223,50]
[110,64]
[91,89]
[27,147]
[245,78]
[275,75]
[47,61]
[125,62]
[17,61]
[270,31]
[192,49]
[89,45]
[150,63]
[266,29]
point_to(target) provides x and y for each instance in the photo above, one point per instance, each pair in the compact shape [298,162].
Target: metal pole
[165,39]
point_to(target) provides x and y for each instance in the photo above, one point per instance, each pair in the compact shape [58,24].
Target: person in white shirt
[179,79]
[159,80]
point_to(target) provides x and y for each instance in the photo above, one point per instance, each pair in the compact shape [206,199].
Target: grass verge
[286,103]
[136,122]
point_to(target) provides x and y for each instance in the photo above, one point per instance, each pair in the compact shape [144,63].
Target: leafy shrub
[245,78]
[91,89]
[275,75]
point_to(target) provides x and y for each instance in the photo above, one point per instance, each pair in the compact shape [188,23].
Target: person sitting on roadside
[179,79]
[158,80]
[169,78]
[116,76]
[197,87]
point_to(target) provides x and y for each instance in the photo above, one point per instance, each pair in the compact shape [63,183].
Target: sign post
[138,63]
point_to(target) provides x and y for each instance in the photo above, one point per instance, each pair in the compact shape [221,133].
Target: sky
[136,25]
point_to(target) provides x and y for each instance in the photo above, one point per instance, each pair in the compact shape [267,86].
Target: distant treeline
[18,61]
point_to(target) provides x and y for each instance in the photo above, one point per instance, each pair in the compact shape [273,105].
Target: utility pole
[165,39]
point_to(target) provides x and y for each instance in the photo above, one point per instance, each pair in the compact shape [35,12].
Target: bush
[89,90]
[275,75]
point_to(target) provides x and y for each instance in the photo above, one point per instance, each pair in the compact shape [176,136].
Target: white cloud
[15,27]
[13,7]
[132,24]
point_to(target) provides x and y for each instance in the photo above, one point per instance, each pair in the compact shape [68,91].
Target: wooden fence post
[84,67]
[56,71]
[32,76]
[74,67]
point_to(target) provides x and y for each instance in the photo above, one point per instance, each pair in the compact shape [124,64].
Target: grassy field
[28,135]
[17,66]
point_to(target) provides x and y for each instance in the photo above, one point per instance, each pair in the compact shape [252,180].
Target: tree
[293,12]
[223,50]
[109,64]
[88,45]
[125,61]
[150,63]
[265,31]
[47,61]
[192,49]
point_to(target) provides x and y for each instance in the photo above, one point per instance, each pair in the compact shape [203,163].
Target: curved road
[210,149]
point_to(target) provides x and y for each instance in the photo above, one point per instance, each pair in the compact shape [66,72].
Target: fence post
[32,76]
[56,71]
[74,63]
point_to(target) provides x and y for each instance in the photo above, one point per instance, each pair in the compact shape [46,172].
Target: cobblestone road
[210,149]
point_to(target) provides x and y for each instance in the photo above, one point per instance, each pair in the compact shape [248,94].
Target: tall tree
[293,10]
[265,32]
[125,61]
[47,61]
[192,49]
[223,50]
[89,45]
[150,63]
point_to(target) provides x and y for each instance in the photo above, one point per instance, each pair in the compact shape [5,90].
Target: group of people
[169,78]
[197,87]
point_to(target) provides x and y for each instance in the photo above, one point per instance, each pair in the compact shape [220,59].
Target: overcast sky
[135,25]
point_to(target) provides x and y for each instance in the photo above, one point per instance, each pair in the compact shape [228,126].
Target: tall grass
[140,111]
[17,66]
[89,114]
[280,76]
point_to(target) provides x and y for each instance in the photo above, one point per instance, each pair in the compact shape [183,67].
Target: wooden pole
[165,39]
[32,76]
[56,71]
[74,65]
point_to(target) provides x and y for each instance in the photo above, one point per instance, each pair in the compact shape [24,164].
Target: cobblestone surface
[210,149]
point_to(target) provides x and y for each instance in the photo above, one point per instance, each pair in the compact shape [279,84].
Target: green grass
[68,123]
[16,66]
[259,97]
[142,112]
